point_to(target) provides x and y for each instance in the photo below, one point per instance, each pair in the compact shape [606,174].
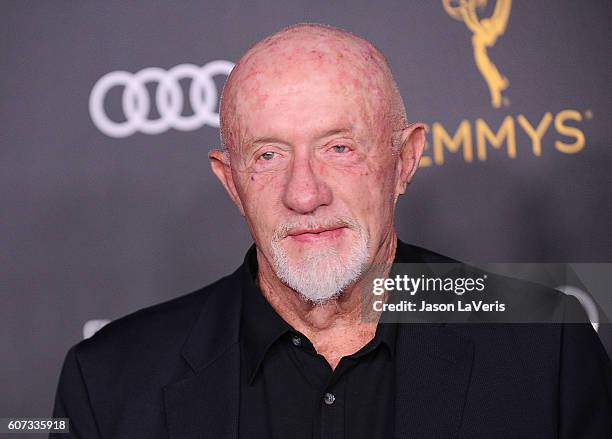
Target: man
[316,152]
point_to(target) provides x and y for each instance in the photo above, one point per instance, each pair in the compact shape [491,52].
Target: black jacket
[172,371]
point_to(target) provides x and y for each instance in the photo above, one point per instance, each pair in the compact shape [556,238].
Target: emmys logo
[516,133]
[485,33]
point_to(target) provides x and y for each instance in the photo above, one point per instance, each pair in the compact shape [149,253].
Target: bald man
[316,151]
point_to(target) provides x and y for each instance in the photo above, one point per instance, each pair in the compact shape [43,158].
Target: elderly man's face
[313,169]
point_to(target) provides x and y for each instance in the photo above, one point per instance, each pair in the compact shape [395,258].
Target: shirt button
[297,341]
[329,398]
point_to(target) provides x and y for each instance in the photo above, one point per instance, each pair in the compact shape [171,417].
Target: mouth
[317,234]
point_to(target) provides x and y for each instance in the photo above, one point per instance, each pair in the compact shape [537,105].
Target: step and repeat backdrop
[108,110]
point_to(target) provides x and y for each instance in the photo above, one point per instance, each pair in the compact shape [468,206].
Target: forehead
[306,105]
[313,85]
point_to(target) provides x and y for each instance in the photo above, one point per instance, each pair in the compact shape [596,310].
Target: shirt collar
[262,326]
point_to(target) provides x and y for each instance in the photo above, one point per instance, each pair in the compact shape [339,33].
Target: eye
[268,155]
[340,148]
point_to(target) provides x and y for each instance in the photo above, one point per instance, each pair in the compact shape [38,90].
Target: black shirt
[288,390]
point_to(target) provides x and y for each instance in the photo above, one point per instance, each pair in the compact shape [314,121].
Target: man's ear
[411,149]
[220,164]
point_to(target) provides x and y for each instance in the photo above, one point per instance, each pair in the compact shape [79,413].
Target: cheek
[366,189]
[260,194]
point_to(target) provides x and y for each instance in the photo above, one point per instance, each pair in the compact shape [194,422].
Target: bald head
[352,66]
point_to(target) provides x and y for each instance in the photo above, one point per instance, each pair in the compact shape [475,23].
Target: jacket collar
[205,403]
[220,316]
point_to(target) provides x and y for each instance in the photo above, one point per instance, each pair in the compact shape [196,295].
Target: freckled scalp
[359,64]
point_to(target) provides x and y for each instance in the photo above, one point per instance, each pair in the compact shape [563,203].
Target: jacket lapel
[205,404]
[433,366]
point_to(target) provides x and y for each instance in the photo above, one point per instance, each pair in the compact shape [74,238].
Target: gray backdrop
[95,226]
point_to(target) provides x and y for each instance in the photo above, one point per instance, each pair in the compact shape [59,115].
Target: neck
[337,327]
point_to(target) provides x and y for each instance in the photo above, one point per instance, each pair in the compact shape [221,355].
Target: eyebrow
[335,132]
[264,140]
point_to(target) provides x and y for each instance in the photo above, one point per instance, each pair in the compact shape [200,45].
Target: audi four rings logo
[169,99]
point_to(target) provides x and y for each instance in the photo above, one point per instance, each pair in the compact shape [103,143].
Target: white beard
[322,274]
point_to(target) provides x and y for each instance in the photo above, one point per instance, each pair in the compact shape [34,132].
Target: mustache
[285,229]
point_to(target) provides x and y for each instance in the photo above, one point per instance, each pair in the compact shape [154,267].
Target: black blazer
[172,371]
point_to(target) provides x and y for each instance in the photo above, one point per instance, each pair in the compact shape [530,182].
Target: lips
[315,234]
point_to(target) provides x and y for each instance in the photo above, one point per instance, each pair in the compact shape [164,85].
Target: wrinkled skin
[308,118]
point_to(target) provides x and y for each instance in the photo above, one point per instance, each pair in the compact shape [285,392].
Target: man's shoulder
[156,331]
[121,369]
[525,301]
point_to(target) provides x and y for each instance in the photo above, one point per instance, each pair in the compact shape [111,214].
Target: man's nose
[305,191]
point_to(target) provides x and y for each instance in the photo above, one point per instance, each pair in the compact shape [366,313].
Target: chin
[321,268]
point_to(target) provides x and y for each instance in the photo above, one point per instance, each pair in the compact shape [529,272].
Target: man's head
[316,151]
